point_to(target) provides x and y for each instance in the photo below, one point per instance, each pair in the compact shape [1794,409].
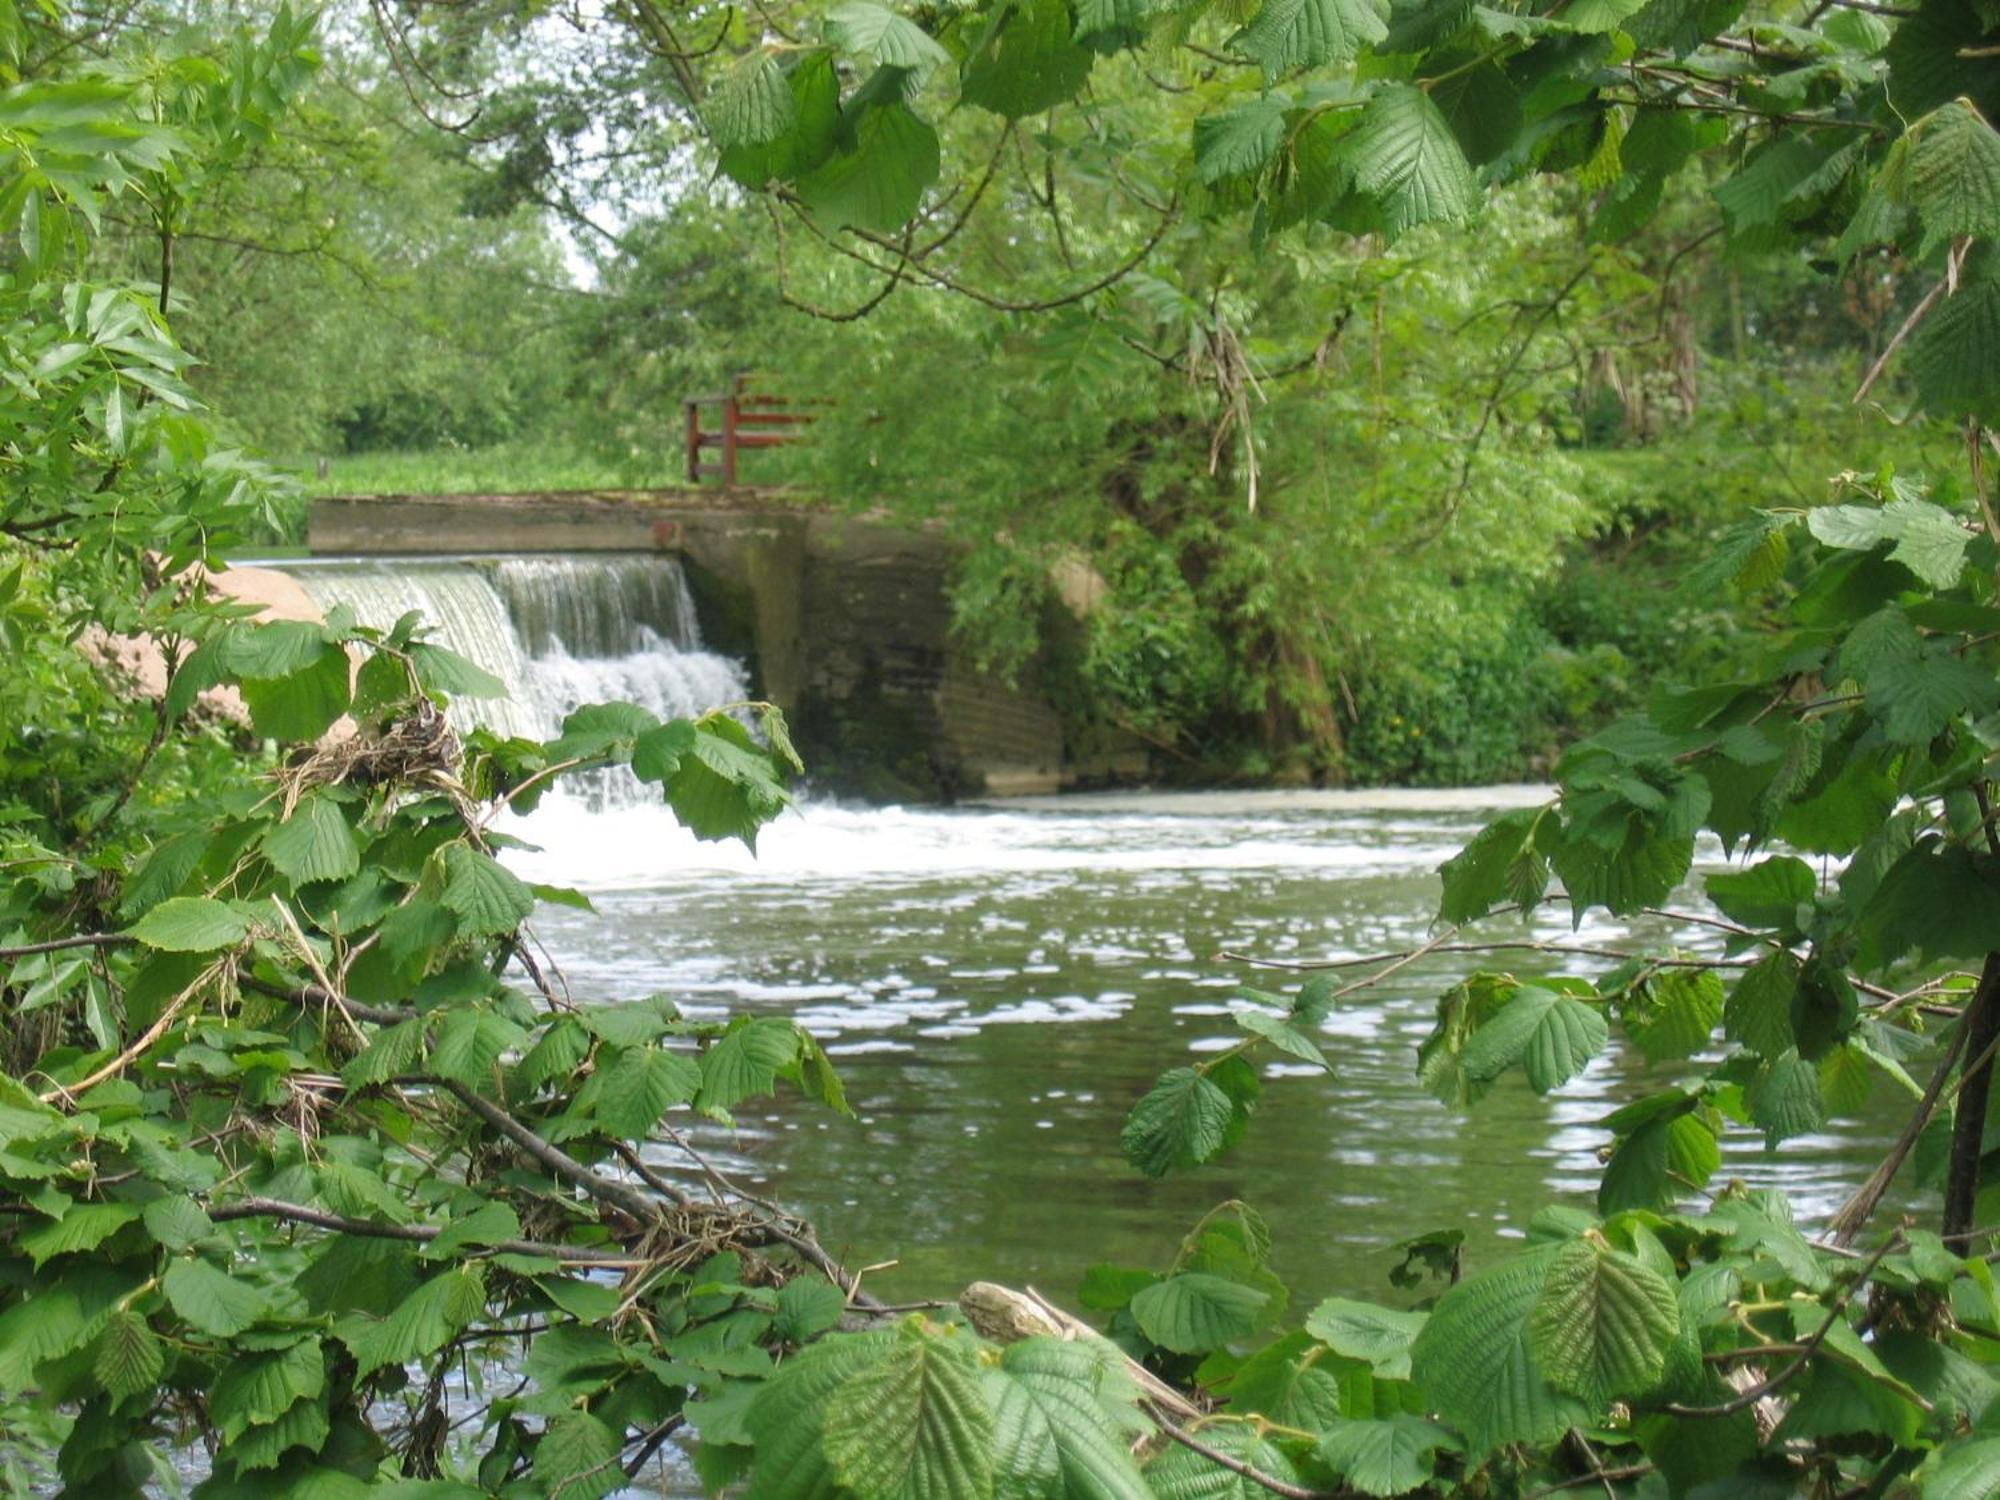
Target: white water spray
[560,632]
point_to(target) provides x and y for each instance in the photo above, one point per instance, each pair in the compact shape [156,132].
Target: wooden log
[1007,1316]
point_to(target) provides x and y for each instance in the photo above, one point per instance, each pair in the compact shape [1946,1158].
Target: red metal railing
[750,419]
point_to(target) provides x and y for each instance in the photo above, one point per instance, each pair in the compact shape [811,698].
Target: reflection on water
[999,984]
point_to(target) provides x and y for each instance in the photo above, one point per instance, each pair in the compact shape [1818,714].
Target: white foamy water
[644,847]
[560,631]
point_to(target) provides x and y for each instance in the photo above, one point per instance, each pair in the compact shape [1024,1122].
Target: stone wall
[845,621]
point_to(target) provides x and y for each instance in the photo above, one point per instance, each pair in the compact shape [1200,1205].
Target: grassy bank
[501,467]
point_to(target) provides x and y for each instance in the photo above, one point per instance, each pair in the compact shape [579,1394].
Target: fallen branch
[622,1196]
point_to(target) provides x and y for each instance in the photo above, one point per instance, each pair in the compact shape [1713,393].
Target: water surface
[999,983]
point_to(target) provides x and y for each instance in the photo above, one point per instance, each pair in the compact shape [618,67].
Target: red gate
[750,419]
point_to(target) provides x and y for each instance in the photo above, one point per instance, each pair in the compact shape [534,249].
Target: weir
[844,621]
[560,632]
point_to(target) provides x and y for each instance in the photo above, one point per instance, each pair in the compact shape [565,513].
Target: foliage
[286,1144]
[301,1144]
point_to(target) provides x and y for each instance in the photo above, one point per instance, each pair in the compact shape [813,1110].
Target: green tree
[299,1140]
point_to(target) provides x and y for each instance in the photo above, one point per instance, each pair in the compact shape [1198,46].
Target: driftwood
[1007,1316]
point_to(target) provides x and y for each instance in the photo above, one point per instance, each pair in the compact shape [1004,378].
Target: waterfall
[560,631]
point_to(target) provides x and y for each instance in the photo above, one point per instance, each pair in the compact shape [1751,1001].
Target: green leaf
[445,671]
[1359,1330]
[1403,152]
[1238,141]
[1846,1079]
[315,843]
[1838,1401]
[657,753]
[261,1386]
[211,1300]
[1953,179]
[420,1324]
[1180,1474]
[1659,1161]
[1477,878]
[1182,1122]
[1645,867]
[1592,16]
[556,1056]
[191,924]
[1108,25]
[1955,354]
[876,185]
[176,1221]
[277,648]
[1292,1382]
[1759,1010]
[788,1415]
[129,1357]
[914,1425]
[1069,1400]
[1310,33]
[84,1226]
[1769,179]
[1784,1099]
[1314,1001]
[488,897]
[1194,1313]
[305,1425]
[1604,1324]
[1675,1013]
[643,1083]
[876,32]
[808,1305]
[1281,1034]
[488,1224]
[1941,900]
[1108,1288]
[579,1458]
[1930,540]
[1853,529]
[746,1062]
[1749,555]
[53,1322]
[470,1044]
[1475,1363]
[1768,894]
[1384,1456]
[586,1301]
[815,94]
[302,706]
[1964,1471]
[1483,108]
[624,1025]
[1552,1035]
[1028,61]
[752,105]
[393,1050]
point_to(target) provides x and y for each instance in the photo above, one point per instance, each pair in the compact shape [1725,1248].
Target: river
[999,983]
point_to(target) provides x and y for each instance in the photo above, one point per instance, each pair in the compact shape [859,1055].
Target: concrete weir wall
[845,622]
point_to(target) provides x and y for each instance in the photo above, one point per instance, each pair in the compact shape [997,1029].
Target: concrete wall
[845,622]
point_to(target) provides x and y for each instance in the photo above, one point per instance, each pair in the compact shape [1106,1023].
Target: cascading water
[617,629]
[560,631]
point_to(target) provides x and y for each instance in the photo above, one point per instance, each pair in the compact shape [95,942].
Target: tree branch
[297,1213]
[1981,1028]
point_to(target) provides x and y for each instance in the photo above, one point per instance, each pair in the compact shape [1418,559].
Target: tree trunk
[1982,1030]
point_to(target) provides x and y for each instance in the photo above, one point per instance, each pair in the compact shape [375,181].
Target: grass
[502,468]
